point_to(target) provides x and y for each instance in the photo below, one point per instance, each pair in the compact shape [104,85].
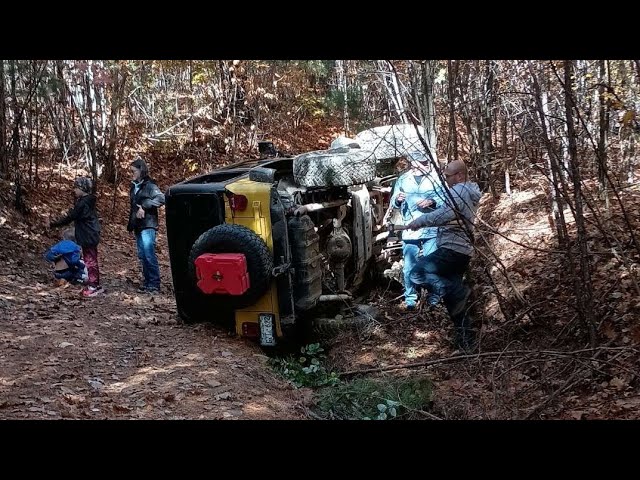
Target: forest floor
[127,355]
[121,354]
[535,358]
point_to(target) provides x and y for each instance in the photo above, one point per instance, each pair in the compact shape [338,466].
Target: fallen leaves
[618,383]
[64,357]
[96,383]
[631,403]
[74,399]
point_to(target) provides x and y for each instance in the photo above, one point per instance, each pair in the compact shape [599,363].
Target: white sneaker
[92,291]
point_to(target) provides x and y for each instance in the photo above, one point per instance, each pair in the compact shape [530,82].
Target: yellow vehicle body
[256,217]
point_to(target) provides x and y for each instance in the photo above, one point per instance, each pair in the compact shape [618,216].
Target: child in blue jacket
[66,257]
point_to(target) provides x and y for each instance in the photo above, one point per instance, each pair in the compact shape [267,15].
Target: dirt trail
[121,355]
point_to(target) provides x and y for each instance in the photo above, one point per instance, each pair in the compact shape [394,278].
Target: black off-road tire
[227,238]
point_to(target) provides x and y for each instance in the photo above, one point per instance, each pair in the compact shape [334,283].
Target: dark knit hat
[83,183]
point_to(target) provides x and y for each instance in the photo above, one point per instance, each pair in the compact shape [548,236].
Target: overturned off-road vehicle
[274,242]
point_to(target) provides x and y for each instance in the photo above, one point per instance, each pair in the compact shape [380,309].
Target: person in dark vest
[84,216]
[145,198]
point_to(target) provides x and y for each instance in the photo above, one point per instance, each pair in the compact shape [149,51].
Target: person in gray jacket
[145,198]
[442,271]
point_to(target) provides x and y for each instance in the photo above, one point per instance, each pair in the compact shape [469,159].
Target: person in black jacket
[84,215]
[145,197]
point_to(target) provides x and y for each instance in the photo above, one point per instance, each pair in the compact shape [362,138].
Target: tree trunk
[428,106]
[452,144]
[37,150]
[341,75]
[398,96]
[29,148]
[15,137]
[191,103]
[117,100]
[554,175]
[4,162]
[92,159]
[390,84]
[466,113]
[65,98]
[583,288]
[601,158]
[489,102]
[15,140]
[484,109]
[505,153]
[78,99]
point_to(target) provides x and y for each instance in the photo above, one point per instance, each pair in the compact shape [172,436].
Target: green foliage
[305,370]
[312,105]
[361,399]
[334,101]
[368,399]
[320,70]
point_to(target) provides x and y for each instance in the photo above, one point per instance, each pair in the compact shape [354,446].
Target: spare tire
[338,167]
[228,238]
[342,142]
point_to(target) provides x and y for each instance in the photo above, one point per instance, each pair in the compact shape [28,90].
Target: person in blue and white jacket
[416,192]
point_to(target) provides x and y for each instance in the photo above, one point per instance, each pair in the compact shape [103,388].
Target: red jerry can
[222,273]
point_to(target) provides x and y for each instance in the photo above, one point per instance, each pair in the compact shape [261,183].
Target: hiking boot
[461,305]
[407,307]
[466,341]
[91,291]
[433,300]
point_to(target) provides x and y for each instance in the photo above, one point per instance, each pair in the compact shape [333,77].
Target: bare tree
[424,94]
[4,164]
[452,143]
[341,74]
[394,96]
[601,157]
[583,285]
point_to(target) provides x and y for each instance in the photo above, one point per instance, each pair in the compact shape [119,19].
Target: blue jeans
[441,273]
[410,252]
[146,243]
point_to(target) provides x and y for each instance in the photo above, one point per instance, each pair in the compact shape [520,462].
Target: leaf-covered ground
[126,355]
[120,355]
[536,361]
